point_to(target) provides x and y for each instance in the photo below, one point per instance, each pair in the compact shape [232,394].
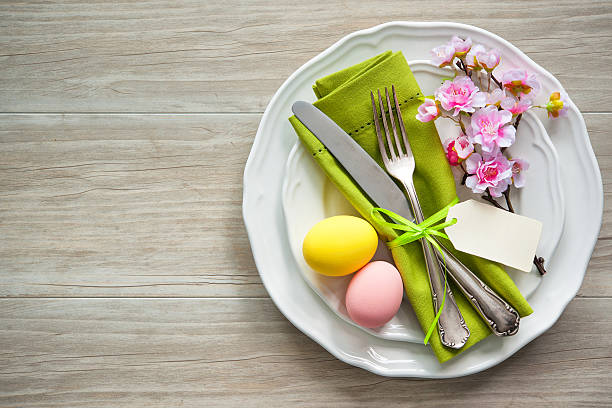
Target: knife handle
[452,328]
[502,318]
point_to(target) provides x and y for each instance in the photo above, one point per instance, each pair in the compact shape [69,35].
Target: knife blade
[372,179]
[501,318]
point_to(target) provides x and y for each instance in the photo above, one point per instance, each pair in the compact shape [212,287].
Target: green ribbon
[425,230]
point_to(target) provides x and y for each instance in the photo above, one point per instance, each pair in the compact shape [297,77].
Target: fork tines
[393,153]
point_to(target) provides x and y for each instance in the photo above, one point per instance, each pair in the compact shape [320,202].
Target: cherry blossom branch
[461,123]
[465,174]
[508,202]
[516,84]
[496,81]
[457,120]
[488,197]
[539,263]
[462,66]
[518,120]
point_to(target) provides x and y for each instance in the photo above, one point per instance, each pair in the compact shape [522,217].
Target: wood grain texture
[243,352]
[150,205]
[125,205]
[231,56]
[598,279]
[126,278]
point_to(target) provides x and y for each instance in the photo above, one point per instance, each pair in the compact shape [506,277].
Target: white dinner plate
[265,222]
[308,197]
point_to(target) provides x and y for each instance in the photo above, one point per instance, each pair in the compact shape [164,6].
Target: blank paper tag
[494,234]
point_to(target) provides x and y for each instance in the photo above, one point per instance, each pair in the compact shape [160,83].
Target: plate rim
[366,364]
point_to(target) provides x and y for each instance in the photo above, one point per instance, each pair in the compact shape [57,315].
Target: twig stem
[465,174]
[496,81]
[492,200]
[518,120]
[539,263]
[461,65]
[508,202]
[461,124]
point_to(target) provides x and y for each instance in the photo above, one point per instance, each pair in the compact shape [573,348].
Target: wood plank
[231,56]
[125,205]
[598,281]
[150,205]
[223,352]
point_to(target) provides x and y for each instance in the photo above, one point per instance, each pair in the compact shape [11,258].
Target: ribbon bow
[412,232]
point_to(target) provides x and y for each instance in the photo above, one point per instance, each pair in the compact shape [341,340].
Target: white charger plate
[309,197]
[265,223]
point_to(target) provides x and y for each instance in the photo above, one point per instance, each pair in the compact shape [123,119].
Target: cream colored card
[494,234]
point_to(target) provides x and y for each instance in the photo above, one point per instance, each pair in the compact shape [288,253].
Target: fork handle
[452,329]
[502,319]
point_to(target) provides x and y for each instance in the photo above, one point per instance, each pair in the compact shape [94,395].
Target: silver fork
[501,318]
[452,328]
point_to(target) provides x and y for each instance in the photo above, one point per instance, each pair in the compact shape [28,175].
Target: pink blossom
[428,110]
[461,46]
[495,97]
[520,83]
[518,166]
[460,94]
[479,58]
[452,156]
[488,127]
[489,59]
[472,57]
[443,55]
[516,106]
[490,172]
[557,105]
[458,148]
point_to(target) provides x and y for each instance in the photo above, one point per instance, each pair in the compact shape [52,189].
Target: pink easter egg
[374,294]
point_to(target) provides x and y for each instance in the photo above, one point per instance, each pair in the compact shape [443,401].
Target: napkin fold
[345,97]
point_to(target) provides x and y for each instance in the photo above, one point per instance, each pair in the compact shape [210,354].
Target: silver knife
[502,318]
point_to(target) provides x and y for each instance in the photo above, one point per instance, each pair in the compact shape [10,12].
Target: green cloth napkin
[345,97]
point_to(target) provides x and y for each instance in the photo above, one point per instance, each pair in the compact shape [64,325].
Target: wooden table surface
[126,277]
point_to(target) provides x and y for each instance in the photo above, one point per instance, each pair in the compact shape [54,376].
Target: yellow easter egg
[339,245]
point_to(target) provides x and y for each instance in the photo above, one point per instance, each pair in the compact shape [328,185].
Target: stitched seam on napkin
[370,123]
[316,153]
